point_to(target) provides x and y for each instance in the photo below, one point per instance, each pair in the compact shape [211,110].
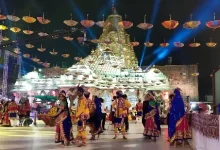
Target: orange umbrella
[28,32]
[164,44]
[42,20]
[194,44]
[66,55]
[87,23]
[95,41]
[29,45]
[41,49]
[13,18]
[213,24]
[178,44]
[134,44]
[35,59]
[211,44]
[170,24]
[148,44]
[68,38]
[53,52]
[29,19]
[145,25]
[2,17]
[191,24]
[26,55]
[71,22]
[15,29]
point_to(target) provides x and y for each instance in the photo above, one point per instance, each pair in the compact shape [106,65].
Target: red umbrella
[170,24]
[145,25]
[164,44]
[213,24]
[2,17]
[87,23]
[126,24]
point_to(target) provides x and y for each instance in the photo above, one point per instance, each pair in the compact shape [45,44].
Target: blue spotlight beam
[203,14]
[152,20]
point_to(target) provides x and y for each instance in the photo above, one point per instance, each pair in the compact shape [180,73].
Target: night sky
[156,12]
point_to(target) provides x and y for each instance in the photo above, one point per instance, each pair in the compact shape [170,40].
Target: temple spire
[114,11]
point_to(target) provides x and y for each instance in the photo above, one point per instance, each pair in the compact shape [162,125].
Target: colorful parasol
[13,18]
[211,44]
[53,52]
[17,50]
[5,38]
[35,59]
[28,32]
[26,55]
[213,24]
[178,44]
[102,23]
[66,55]
[170,24]
[3,27]
[2,17]
[87,23]
[96,41]
[191,24]
[148,44]
[194,44]
[15,29]
[29,45]
[46,64]
[164,44]
[78,58]
[29,19]
[68,38]
[41,49]
[145,25]
[134,44]
[42,20]
[42,34]
[71,22]
[126,24]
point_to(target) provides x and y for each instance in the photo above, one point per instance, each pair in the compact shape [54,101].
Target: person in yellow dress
[82,114]
[121,106]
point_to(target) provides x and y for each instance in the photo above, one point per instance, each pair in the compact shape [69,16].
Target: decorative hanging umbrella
[126,24]
[96,41]
[87,23]
[211,44]
[66,55]
[15,29]
[17,50]
[178,44]
[53,52]
[78,58]
[148,44]
[41,49]
[26,55]
[170,24]
[3,27]
[29,19]
[68,38]
[29,45]
[164,44]
[46,64]
[28,32]
[13,18]
[42,34]
[42,20]
[195,74]
[71,22]
[40,62]
[194,44]
[213,24]
[2,17]
[191,24]
[145,25]
[35,59]
[103,23]
[5,38]
[134,44]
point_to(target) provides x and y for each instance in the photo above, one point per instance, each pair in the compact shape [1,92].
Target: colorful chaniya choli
[63,125]
[178,125]
[152,124]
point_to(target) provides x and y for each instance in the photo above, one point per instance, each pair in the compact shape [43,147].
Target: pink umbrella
[42,20]
[145,25]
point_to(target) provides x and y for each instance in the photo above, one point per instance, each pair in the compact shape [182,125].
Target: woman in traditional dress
[6,121]
[139,109]
[144,109]
[63,121]
[178,125]
[152,125]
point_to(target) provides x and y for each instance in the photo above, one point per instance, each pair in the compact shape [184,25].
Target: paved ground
[42,138]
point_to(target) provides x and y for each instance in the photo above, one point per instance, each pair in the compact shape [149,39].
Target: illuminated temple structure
[112,66]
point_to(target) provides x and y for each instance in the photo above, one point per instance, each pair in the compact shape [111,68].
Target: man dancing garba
[121,106]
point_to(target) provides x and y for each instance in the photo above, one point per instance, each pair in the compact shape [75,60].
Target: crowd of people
[13,114]
[91,113]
